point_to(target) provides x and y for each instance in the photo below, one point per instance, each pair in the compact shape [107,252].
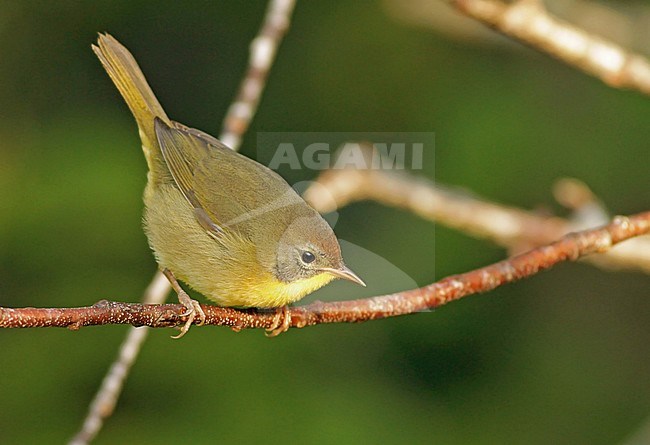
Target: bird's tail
[129,80]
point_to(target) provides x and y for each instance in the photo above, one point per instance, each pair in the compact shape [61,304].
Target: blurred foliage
[560,358]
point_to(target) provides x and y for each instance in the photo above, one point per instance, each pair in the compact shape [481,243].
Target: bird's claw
[281,322]
[193,309]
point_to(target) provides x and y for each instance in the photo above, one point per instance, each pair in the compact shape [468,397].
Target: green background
[559,358]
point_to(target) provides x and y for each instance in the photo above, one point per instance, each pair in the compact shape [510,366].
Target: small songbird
[228,226]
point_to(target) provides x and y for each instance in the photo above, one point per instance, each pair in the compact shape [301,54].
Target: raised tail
[129,80]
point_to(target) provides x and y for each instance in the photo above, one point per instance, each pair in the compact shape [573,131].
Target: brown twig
[527,21]
[569,248]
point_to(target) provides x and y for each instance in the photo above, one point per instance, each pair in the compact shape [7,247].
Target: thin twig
[627,24]
[236,122]
[528,21]
[506,226]
[570,248]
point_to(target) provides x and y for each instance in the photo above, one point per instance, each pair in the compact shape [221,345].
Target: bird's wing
[225,189]
[181,152]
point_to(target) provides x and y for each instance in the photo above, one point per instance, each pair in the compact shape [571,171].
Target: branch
[569,248]
[528,22]
[504,225]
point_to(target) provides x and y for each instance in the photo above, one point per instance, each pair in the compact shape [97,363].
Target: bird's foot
[193,309]
[281,322]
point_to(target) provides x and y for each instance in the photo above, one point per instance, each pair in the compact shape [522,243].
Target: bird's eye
[307,257]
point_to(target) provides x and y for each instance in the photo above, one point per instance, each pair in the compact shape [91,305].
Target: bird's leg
[281,322]
[193,307]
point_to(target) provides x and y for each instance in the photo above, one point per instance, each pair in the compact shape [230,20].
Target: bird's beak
[345,273]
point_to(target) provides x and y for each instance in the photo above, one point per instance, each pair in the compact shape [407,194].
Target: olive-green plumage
[226,225]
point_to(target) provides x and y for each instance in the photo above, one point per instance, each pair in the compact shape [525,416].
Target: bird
[224,224]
